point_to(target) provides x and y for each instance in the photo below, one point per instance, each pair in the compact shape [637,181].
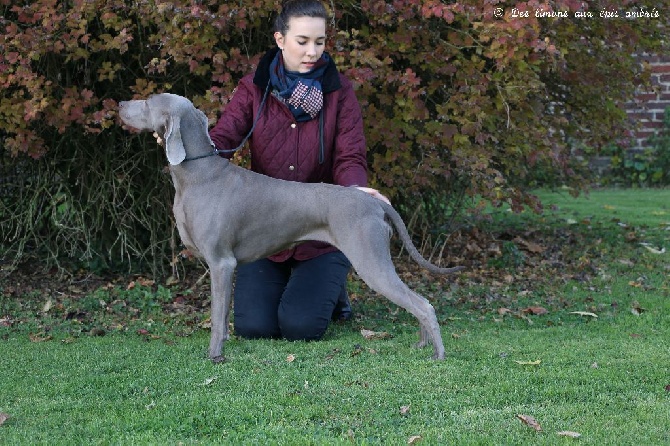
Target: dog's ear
[174,146]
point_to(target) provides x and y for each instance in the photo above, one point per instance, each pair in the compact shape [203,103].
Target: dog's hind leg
[221,273]
[370,257]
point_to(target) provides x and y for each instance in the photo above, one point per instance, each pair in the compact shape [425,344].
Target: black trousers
[292,300]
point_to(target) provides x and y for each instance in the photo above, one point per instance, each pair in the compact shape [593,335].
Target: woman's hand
[375,193]
[159,140]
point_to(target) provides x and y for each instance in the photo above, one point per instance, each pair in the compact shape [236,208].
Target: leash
[216,151]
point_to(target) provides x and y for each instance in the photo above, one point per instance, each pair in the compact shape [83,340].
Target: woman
[304,124]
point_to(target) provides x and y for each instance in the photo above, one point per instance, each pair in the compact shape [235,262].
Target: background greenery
[460,107]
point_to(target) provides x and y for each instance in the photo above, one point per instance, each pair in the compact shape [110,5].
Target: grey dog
[229,215]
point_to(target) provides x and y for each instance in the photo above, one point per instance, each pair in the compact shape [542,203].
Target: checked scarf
[300,91]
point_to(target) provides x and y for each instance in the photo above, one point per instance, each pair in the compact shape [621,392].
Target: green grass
[146,381]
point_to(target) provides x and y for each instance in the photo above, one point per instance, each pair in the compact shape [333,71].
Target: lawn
[558,329]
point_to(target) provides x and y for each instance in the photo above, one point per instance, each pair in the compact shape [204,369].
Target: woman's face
[303,43]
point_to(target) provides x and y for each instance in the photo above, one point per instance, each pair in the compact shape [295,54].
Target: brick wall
[649,106]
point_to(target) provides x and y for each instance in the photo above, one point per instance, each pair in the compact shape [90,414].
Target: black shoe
[342,311]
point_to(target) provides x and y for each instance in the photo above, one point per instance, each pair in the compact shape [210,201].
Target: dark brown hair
[299,8]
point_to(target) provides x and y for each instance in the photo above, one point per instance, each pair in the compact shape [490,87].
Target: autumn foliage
[459,100]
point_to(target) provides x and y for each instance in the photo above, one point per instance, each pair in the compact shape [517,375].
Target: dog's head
[163,114]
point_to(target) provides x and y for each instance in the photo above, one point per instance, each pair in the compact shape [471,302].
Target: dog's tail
[396,220]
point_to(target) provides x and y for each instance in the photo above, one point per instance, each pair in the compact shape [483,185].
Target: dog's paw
[218,359]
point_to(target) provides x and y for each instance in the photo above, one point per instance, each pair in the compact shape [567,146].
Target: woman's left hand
[375,193]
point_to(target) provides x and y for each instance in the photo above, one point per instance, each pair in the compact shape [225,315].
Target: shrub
[457,103]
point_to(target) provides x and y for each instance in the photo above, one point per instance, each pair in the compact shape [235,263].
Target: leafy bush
[647,167]
[457,103]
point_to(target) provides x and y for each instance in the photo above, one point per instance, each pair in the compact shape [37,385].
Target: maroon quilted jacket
[329,149]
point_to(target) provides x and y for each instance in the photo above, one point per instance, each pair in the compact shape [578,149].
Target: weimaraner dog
[229,215]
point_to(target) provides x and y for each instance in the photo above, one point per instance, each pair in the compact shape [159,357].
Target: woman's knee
[255,329]
[301,329]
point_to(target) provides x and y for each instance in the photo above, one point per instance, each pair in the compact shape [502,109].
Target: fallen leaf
[529,246]
[653,249]
[504,311]
[290,358]
[530,421]
[39,337]
[570,434]
[414,439]
[584,313]
[636,309]
[3,417]
[369,334]
[145,282]
[536,362]
[209,381]
[332,354]
[47,306]
[667,388]
[537,311]
[358,349]
[404,410]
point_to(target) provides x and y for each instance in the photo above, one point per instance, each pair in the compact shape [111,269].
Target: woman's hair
[299,8]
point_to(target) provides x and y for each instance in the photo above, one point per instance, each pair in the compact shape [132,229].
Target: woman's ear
[279,38]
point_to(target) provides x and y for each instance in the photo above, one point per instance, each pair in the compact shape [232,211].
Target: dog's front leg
[221,274]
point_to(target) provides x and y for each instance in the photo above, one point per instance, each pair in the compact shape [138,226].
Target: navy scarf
[301,92]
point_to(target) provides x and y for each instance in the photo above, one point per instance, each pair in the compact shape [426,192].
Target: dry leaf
[667,388]
[529,246]
[652,249]
[369,334]
[40,337]
[209,381]
[3,417]
[637,309]
[536,362]
[537,311]
[530,421]
[404,410]
[290,358]
[503,311]
[414,439]
[145,282]
[569,434]
[47,306]
[584,313]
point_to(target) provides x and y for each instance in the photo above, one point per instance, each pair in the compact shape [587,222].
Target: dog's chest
[183,228]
